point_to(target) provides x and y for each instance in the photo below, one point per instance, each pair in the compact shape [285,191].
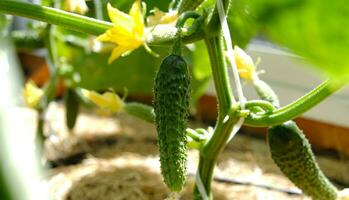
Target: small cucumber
[171,107]
[72,108]
[266,93]
[292,153]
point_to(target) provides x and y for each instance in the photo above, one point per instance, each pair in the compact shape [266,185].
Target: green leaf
[201,62]
[201,71]
[314,29]
[241,24]
[134,72]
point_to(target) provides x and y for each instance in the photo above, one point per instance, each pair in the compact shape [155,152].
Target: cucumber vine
[172,92]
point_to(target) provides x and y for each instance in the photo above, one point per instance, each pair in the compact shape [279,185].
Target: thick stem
[297,107]
[219,72]
[161,35]
[55,16]
[99,14]
[141,111]
[225,124]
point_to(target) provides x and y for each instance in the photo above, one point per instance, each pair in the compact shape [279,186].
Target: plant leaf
[316,30]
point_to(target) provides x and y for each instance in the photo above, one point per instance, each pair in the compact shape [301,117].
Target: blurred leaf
[241,24]
[201,62]
[134,72]
[314,29]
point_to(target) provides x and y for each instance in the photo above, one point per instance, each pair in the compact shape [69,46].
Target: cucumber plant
[128,32]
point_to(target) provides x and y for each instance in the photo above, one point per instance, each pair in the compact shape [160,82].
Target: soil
[116,158]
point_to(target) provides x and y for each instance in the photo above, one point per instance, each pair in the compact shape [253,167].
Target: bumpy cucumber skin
[72,108]
[171,106]
[292,153]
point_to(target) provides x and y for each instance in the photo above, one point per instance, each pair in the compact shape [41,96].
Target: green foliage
[201,71]
[310,28]
[171,106]
[292,153]
[241,24]
[72,108]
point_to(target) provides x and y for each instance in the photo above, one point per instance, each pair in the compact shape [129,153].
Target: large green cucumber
[171,107]
[292,153]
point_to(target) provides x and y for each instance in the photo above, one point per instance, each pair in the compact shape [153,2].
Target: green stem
[219,73]
[213,26]
[177,46]
[265,105]
[141,111]
[162,35]
[227,107]
[55,16]
[50,89]
[99,14]
[296,108]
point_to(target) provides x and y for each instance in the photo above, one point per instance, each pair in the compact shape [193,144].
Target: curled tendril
[257,108]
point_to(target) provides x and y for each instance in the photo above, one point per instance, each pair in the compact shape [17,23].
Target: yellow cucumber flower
[108,101]
[128,32]
[160,17]
[76,6]
[244,63]
[32,94]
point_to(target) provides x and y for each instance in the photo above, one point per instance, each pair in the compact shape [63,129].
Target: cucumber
[71,108]
[171,107]
[292,153]
[265,92]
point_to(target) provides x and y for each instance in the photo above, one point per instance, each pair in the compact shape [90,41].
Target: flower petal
[108,101]
[136,14]
[119,19]
[114,103]
[117,52]
[32,94]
